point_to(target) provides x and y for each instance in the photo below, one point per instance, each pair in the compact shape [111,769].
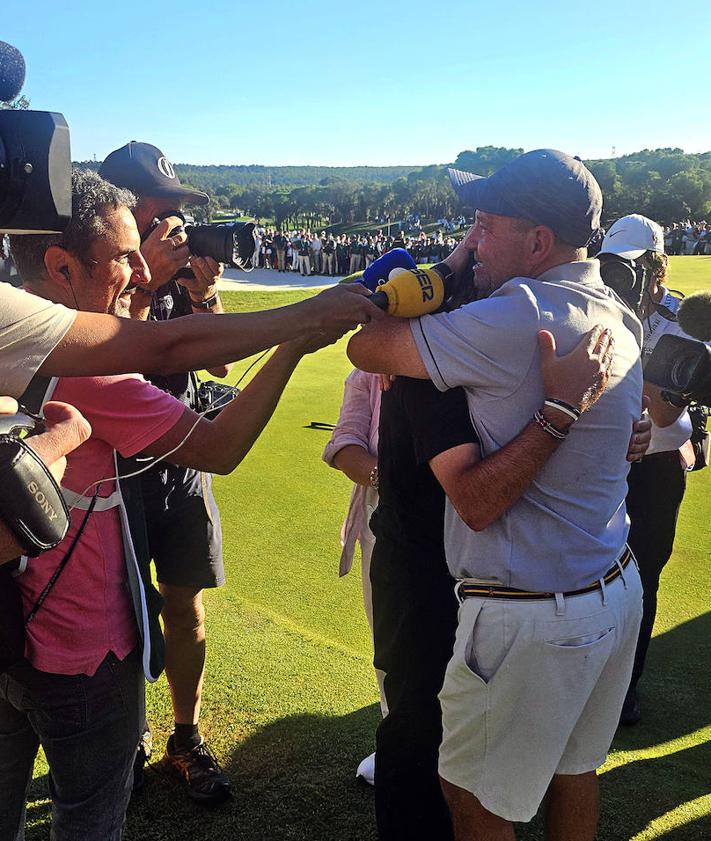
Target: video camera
[628,278]
[31,502]
[35,197]
[35,160]
[682,369]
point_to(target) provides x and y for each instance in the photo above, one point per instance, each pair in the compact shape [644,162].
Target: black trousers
[414,622]
[656,489]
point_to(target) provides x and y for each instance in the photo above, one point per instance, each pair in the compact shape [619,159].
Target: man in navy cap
[181,513]
[550,603]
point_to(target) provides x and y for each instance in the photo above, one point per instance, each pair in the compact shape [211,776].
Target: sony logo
[41,500]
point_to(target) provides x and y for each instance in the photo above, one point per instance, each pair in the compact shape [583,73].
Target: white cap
[631,236]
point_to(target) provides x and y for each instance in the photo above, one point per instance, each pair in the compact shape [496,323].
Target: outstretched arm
[98,344]
[218,446]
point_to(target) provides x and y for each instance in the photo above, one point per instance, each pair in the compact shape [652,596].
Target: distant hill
[665,184]
[255,175]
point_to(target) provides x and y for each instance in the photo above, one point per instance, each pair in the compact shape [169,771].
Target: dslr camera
[231,243]
[212,397]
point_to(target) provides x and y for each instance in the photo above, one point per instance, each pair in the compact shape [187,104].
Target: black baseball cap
[546,186]
[146,171]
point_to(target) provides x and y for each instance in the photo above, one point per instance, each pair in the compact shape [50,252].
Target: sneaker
[631,710]
[143,754]
[366,770]
[200,771]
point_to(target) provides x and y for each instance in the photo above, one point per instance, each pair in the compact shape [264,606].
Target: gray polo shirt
[570,525]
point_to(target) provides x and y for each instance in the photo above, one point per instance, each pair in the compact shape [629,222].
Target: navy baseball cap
[546,186]
[146,171]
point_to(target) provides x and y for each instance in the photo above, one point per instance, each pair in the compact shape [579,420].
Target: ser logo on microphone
[425,285]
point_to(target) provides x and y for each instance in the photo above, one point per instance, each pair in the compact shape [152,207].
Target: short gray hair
[92,196]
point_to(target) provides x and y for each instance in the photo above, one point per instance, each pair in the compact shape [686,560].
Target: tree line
[664,184]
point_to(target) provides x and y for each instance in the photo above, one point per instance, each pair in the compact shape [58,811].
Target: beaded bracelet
[548,427]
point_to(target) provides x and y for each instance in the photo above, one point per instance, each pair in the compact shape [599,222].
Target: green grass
[290,697]
[690,274]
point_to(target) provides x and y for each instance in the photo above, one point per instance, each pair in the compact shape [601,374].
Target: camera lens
[618,276]
[682,371]
[231,243]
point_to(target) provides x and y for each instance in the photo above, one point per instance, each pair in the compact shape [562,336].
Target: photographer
[657,483]
[182,517]
[92,637]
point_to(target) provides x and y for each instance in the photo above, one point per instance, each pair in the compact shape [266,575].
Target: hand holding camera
[202,285]
[165,249]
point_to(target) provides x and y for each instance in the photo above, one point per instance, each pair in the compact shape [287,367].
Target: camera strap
[62,564]
[665,310]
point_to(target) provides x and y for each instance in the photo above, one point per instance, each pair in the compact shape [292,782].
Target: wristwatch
[207,304]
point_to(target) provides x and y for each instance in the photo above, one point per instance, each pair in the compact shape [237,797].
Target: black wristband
[207,304]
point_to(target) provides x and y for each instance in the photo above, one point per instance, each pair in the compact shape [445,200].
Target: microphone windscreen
[378,272]
[12,72]
[414,292]
[694,315]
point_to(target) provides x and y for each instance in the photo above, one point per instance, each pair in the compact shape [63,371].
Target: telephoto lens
[231,243]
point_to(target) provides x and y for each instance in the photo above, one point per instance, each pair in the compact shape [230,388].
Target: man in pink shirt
[79,692]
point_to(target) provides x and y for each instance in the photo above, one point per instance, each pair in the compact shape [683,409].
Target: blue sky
[367,82]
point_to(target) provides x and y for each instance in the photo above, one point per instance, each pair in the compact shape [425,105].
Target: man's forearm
[483,490]
[100,344]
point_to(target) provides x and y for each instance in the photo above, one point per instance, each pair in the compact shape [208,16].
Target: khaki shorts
[535,688]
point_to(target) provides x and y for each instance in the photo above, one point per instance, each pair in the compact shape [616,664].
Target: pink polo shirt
[88,611]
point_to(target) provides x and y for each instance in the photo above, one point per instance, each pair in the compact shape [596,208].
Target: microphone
[386,267]
[410,293]
[694,315]
[12,72]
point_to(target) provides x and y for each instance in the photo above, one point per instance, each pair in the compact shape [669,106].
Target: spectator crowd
[687,238]
[311,253]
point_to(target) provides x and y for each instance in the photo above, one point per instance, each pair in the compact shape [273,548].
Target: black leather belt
[464,590]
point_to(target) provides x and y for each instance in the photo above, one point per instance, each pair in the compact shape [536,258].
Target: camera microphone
[411,293]
[694,315]
[12,72]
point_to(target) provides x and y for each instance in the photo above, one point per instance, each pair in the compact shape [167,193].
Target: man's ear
[59,265]
[541,243]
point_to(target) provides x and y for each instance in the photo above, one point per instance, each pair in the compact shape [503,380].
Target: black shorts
[184,530]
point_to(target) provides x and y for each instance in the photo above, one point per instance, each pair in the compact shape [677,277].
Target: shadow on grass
[292,780]
[675,694]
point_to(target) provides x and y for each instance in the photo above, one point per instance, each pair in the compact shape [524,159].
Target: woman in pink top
[353,449]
